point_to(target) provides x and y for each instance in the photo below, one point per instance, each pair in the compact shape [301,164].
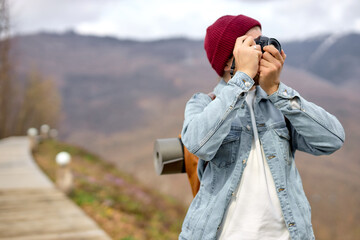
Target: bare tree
[5,68]
[41,104]
[23,105]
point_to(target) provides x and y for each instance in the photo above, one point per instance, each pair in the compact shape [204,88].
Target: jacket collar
[260,94]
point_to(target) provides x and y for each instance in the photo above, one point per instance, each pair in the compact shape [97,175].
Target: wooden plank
[33,209]
[46,226]
[84,235]
[37,214]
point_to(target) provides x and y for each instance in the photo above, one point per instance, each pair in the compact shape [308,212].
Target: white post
[53,133]
[33,136]
[44,131]
[64,177]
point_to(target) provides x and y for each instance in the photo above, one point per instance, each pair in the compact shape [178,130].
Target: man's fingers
[212,95]
[273,56]
[240,40]
[249,41]
[265,63]
[245,40]
[258,48]
[259,54]
[269,57]
[271,49]
[283,54]
[268,61]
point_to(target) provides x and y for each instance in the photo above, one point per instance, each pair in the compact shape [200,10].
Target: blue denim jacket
[219,133]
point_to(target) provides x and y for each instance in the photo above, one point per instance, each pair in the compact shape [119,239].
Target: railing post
[33,137]
[53,134]
[64,177]
[44,131]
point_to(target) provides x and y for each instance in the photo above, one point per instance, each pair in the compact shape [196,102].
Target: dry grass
[123,207]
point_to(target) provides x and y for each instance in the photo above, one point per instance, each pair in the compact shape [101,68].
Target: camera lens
[264,41]
[275,43]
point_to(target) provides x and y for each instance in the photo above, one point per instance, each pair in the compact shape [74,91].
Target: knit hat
[221,37]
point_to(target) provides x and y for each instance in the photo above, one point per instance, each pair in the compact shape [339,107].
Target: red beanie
[221,37]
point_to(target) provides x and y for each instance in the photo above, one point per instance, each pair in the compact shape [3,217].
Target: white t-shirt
[255,213]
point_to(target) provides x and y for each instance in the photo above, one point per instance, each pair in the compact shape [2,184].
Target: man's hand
[247,57]
[212,95]
[270,68]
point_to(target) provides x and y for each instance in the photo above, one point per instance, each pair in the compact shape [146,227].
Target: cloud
[52,14]
[308,17]
[138,19]
[143,19]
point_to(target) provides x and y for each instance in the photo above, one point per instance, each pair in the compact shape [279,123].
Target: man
[245,135]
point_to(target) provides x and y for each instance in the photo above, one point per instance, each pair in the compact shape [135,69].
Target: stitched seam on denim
[241,85]
[198,220]
[279,106]
[321,124]
[281,103]
[207,216]
[301,212]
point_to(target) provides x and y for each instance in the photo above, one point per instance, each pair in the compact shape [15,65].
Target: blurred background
[113,76]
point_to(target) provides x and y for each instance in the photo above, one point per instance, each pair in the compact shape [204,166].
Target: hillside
[122,206]
[120,95]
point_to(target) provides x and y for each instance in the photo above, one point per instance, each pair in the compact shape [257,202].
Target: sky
[156,19]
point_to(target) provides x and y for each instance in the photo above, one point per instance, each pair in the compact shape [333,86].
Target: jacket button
[247,84]
[244,161]
[271,157]
[281,189]
[291,224]
[248,127]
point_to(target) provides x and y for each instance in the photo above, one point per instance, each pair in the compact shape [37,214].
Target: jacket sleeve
[313,130]
[208,122]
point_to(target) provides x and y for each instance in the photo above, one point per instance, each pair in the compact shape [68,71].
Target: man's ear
[228,65]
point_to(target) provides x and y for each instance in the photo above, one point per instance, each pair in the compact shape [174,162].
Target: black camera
[262,41]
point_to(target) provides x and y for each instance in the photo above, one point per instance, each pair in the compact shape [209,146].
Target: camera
[262,41]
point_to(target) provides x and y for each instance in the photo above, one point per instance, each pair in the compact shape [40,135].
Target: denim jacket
[220,133]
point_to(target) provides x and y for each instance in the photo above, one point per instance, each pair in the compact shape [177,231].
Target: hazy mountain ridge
[123,72]
[333,57]
[120,95]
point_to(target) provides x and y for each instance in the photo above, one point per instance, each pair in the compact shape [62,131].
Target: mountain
[332,57]
[121,95]
[114,76]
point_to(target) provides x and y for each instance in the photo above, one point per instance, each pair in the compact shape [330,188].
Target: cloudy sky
[153,19]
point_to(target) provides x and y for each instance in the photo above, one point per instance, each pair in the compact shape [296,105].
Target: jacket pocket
[283,133]
[226,154]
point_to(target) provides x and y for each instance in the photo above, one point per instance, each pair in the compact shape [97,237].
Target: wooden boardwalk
[30,205]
